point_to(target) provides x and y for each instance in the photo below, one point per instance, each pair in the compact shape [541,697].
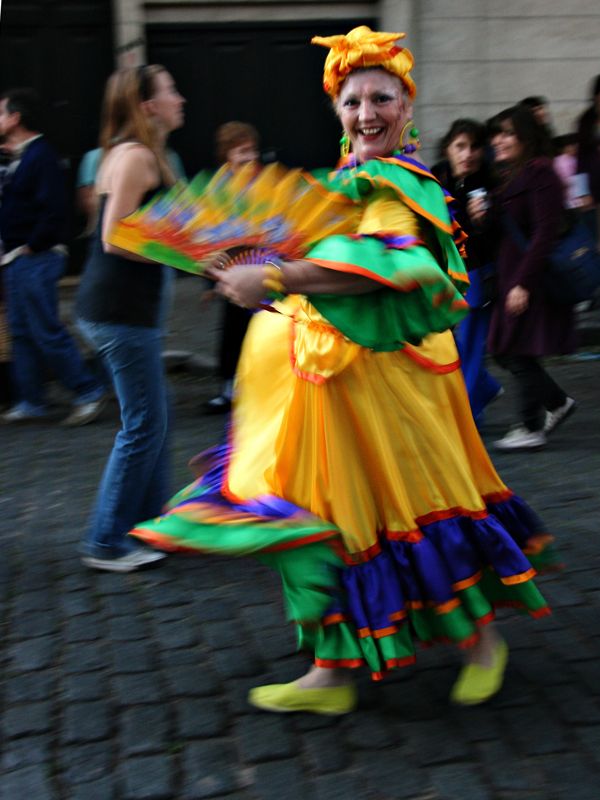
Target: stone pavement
[133,687]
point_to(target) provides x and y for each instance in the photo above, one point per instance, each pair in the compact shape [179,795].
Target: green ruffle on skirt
[299,548]
[341,644]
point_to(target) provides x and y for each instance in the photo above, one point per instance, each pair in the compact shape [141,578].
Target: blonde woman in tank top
[120,304]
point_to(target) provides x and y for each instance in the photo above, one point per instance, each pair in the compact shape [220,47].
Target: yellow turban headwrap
[361,48]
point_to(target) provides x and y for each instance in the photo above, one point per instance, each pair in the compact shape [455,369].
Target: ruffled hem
[340,643]
[437,582]
[396,649]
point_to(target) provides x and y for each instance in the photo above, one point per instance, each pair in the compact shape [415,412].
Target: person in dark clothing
[525,324]
[236,145]
[539,107]
[7,393]
[465,171]
[588,154]
[32,228]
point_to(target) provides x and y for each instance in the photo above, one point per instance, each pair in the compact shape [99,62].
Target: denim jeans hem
[32,408]
[90,397]
[134,483]
[106,552]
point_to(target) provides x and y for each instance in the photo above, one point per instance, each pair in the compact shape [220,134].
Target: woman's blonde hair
[122,116]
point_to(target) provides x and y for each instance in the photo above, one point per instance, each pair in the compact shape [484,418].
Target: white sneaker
[559,415]
[519,438]
[137,559]
[501,391]
[84,413]
[20,414]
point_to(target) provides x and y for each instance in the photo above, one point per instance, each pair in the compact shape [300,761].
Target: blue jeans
[471,338]
[39,339]
[134,485]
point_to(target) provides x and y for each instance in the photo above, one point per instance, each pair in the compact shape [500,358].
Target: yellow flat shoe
[476,683]
[287,697]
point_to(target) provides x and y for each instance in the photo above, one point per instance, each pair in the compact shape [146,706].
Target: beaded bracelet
[273,281]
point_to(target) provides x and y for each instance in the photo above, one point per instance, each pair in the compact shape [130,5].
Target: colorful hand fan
[275,211]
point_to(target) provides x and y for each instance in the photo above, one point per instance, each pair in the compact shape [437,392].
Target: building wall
[132,15]
[474,57]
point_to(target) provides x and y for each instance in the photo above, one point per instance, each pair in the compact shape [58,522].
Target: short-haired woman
[120,307]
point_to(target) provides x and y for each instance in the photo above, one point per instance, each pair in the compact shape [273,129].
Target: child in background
[576,184]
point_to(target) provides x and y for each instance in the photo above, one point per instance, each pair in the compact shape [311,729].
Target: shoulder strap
[123,148]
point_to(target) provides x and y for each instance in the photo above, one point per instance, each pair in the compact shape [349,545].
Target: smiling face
[373,110]
[507,147]
[465,155]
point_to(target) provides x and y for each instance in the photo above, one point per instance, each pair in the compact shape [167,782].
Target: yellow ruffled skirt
[371,441]
[361,477]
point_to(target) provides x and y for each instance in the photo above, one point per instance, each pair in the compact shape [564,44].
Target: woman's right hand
[242,285]
[517,301]
[477,209]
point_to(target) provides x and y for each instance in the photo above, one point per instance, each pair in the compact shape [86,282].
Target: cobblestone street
[133,687]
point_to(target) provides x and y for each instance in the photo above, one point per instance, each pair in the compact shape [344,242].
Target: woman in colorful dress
[353,465]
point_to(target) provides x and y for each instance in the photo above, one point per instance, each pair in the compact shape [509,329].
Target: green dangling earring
[410,146]
[344,145]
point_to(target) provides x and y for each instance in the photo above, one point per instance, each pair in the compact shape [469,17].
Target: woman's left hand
[477,208]
[218,262]
[517,301]
[242,285]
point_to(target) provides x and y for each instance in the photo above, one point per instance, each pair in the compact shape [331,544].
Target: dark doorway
[267,75]
[64,50]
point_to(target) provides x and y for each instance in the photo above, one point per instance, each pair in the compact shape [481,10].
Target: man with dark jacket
[32,230]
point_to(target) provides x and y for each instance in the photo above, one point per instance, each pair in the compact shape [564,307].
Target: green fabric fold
[298,548]
[420,293]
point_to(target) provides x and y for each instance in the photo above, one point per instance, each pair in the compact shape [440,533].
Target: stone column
[397,14]
[403,16]
[130,38]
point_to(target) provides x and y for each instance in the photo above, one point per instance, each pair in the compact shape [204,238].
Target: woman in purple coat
[527,215]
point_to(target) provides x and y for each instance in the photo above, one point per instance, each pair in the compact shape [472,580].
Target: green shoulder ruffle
[420,293]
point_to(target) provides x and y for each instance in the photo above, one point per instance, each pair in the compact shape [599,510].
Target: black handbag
[573,273]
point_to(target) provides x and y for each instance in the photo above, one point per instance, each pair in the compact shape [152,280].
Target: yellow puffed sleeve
[386,213]
[317,349]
